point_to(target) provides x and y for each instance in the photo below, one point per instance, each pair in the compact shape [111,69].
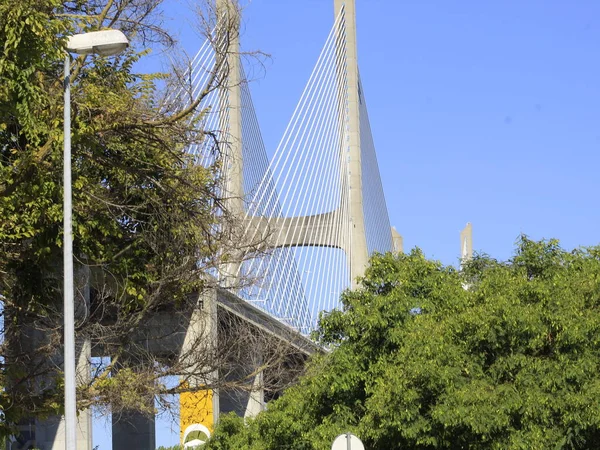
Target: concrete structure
[202,328]
[398,241]
[358,252]
[466,242]
[231,120]
[308,231]
[167,336]
[318,230]
[49,434]
[210,324]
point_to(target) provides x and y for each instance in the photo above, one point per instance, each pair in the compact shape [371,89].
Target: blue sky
[482,112]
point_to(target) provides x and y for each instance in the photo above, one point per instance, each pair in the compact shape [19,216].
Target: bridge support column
[50,433]
[245,403]
[466,242]
[357,251]
[231,124]
[397,241]
[200,405]
[245,359]
[256,398]
[132,429]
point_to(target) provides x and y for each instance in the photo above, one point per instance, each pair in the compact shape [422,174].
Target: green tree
[149,224]
[500,355]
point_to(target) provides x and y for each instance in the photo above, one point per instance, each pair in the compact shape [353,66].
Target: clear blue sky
[485,112]
[482,112]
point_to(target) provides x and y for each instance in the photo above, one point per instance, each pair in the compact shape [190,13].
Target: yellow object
[196,407]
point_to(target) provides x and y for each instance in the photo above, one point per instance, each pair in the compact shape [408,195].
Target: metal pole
[68,307]
[349,440]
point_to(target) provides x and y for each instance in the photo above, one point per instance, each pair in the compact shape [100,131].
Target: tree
[150,226]
[500,355]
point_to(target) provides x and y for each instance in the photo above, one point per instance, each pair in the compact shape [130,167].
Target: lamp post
[104,43]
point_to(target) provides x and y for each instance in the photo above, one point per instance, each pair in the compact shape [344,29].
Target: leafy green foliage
[145,217]
[500,355]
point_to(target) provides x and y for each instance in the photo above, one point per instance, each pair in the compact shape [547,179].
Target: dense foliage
[497,356]
[147,222]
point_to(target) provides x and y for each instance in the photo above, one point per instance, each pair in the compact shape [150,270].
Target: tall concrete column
[357,253]
[232,89]
[397,241]
[50,433]
[231,94]
[200,405]
[245,403]
[466,242]
[256,397]
[134,430]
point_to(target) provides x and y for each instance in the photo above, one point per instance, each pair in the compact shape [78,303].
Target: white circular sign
[347,442]
[195,442]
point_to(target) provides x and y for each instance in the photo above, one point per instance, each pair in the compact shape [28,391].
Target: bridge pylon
[356,250]
[320,199]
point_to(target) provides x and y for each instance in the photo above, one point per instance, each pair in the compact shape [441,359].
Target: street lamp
[104,43]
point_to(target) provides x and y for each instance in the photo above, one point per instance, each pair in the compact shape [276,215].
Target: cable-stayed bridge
[308,218]
[317,205]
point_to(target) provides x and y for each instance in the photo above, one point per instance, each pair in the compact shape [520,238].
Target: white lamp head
[103,43]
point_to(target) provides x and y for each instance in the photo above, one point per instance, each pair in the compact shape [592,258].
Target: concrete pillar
[50,433]
[256,399]
[133,429]
[244,361]
[200,405]
[466,242]
[232,89]
[243,403]
[232,119]
[397,241]
[357,251]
